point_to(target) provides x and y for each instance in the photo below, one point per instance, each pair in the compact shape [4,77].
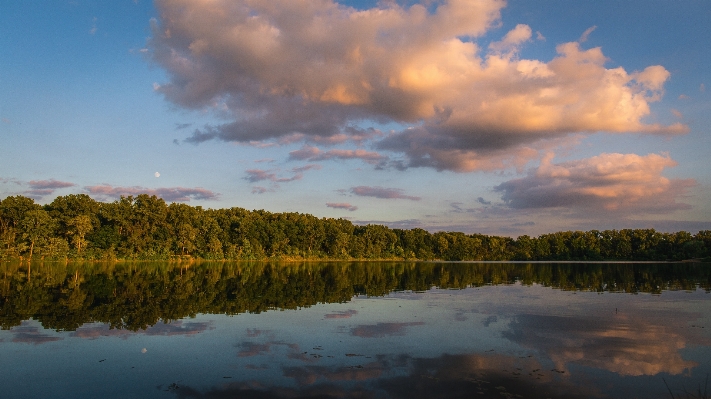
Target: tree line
[147,228]
[134,296]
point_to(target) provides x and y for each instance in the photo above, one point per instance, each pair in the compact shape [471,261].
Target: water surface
[354,330]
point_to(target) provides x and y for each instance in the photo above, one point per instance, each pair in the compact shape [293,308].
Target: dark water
[354,330]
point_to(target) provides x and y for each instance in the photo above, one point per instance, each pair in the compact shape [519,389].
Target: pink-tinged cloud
[584,37]
[293,70]
[42,188]
[313,154]
[256,175]
[170,194]
[304,168]
[382,329]
[382,192]
[342,205]
[607,182]
[49,184]
[346,314]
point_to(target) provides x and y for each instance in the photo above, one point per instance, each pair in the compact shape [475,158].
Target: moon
[157,174]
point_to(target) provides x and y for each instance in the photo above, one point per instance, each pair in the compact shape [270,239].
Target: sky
[480,116]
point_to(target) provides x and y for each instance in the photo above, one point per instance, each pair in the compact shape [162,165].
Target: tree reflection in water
[548,343]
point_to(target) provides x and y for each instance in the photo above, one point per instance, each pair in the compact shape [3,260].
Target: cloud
[523,224]
[342,205]
[482,201]
[586,34]
[41,188]
[513,40]
[457,208]
[10,180]
[304,168]
[255,175]
[170,194]
[280,69]
[48,184]
[607,182]
[312,154]
[382,192]
[259,190]
[93,26]
[180,126]
[382,329]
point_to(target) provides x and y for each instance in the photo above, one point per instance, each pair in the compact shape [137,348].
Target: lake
[354,330]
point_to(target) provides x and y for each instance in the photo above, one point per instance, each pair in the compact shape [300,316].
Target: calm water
[354,330]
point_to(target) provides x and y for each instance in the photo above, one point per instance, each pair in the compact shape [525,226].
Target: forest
[145,227]
[136,295]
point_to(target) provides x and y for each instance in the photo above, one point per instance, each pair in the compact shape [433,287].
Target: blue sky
[477,116]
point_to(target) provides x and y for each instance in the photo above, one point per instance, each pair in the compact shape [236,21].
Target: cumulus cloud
[342,205]
[170,194]
[607,182]
[279,68]
[382,192]
[312,154]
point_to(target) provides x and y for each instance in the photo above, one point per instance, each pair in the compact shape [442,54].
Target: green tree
[37,227]
[78,227]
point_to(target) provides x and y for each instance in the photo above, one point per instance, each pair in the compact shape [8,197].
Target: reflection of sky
[441,343]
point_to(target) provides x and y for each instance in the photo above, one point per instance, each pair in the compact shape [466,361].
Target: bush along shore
[147,228]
